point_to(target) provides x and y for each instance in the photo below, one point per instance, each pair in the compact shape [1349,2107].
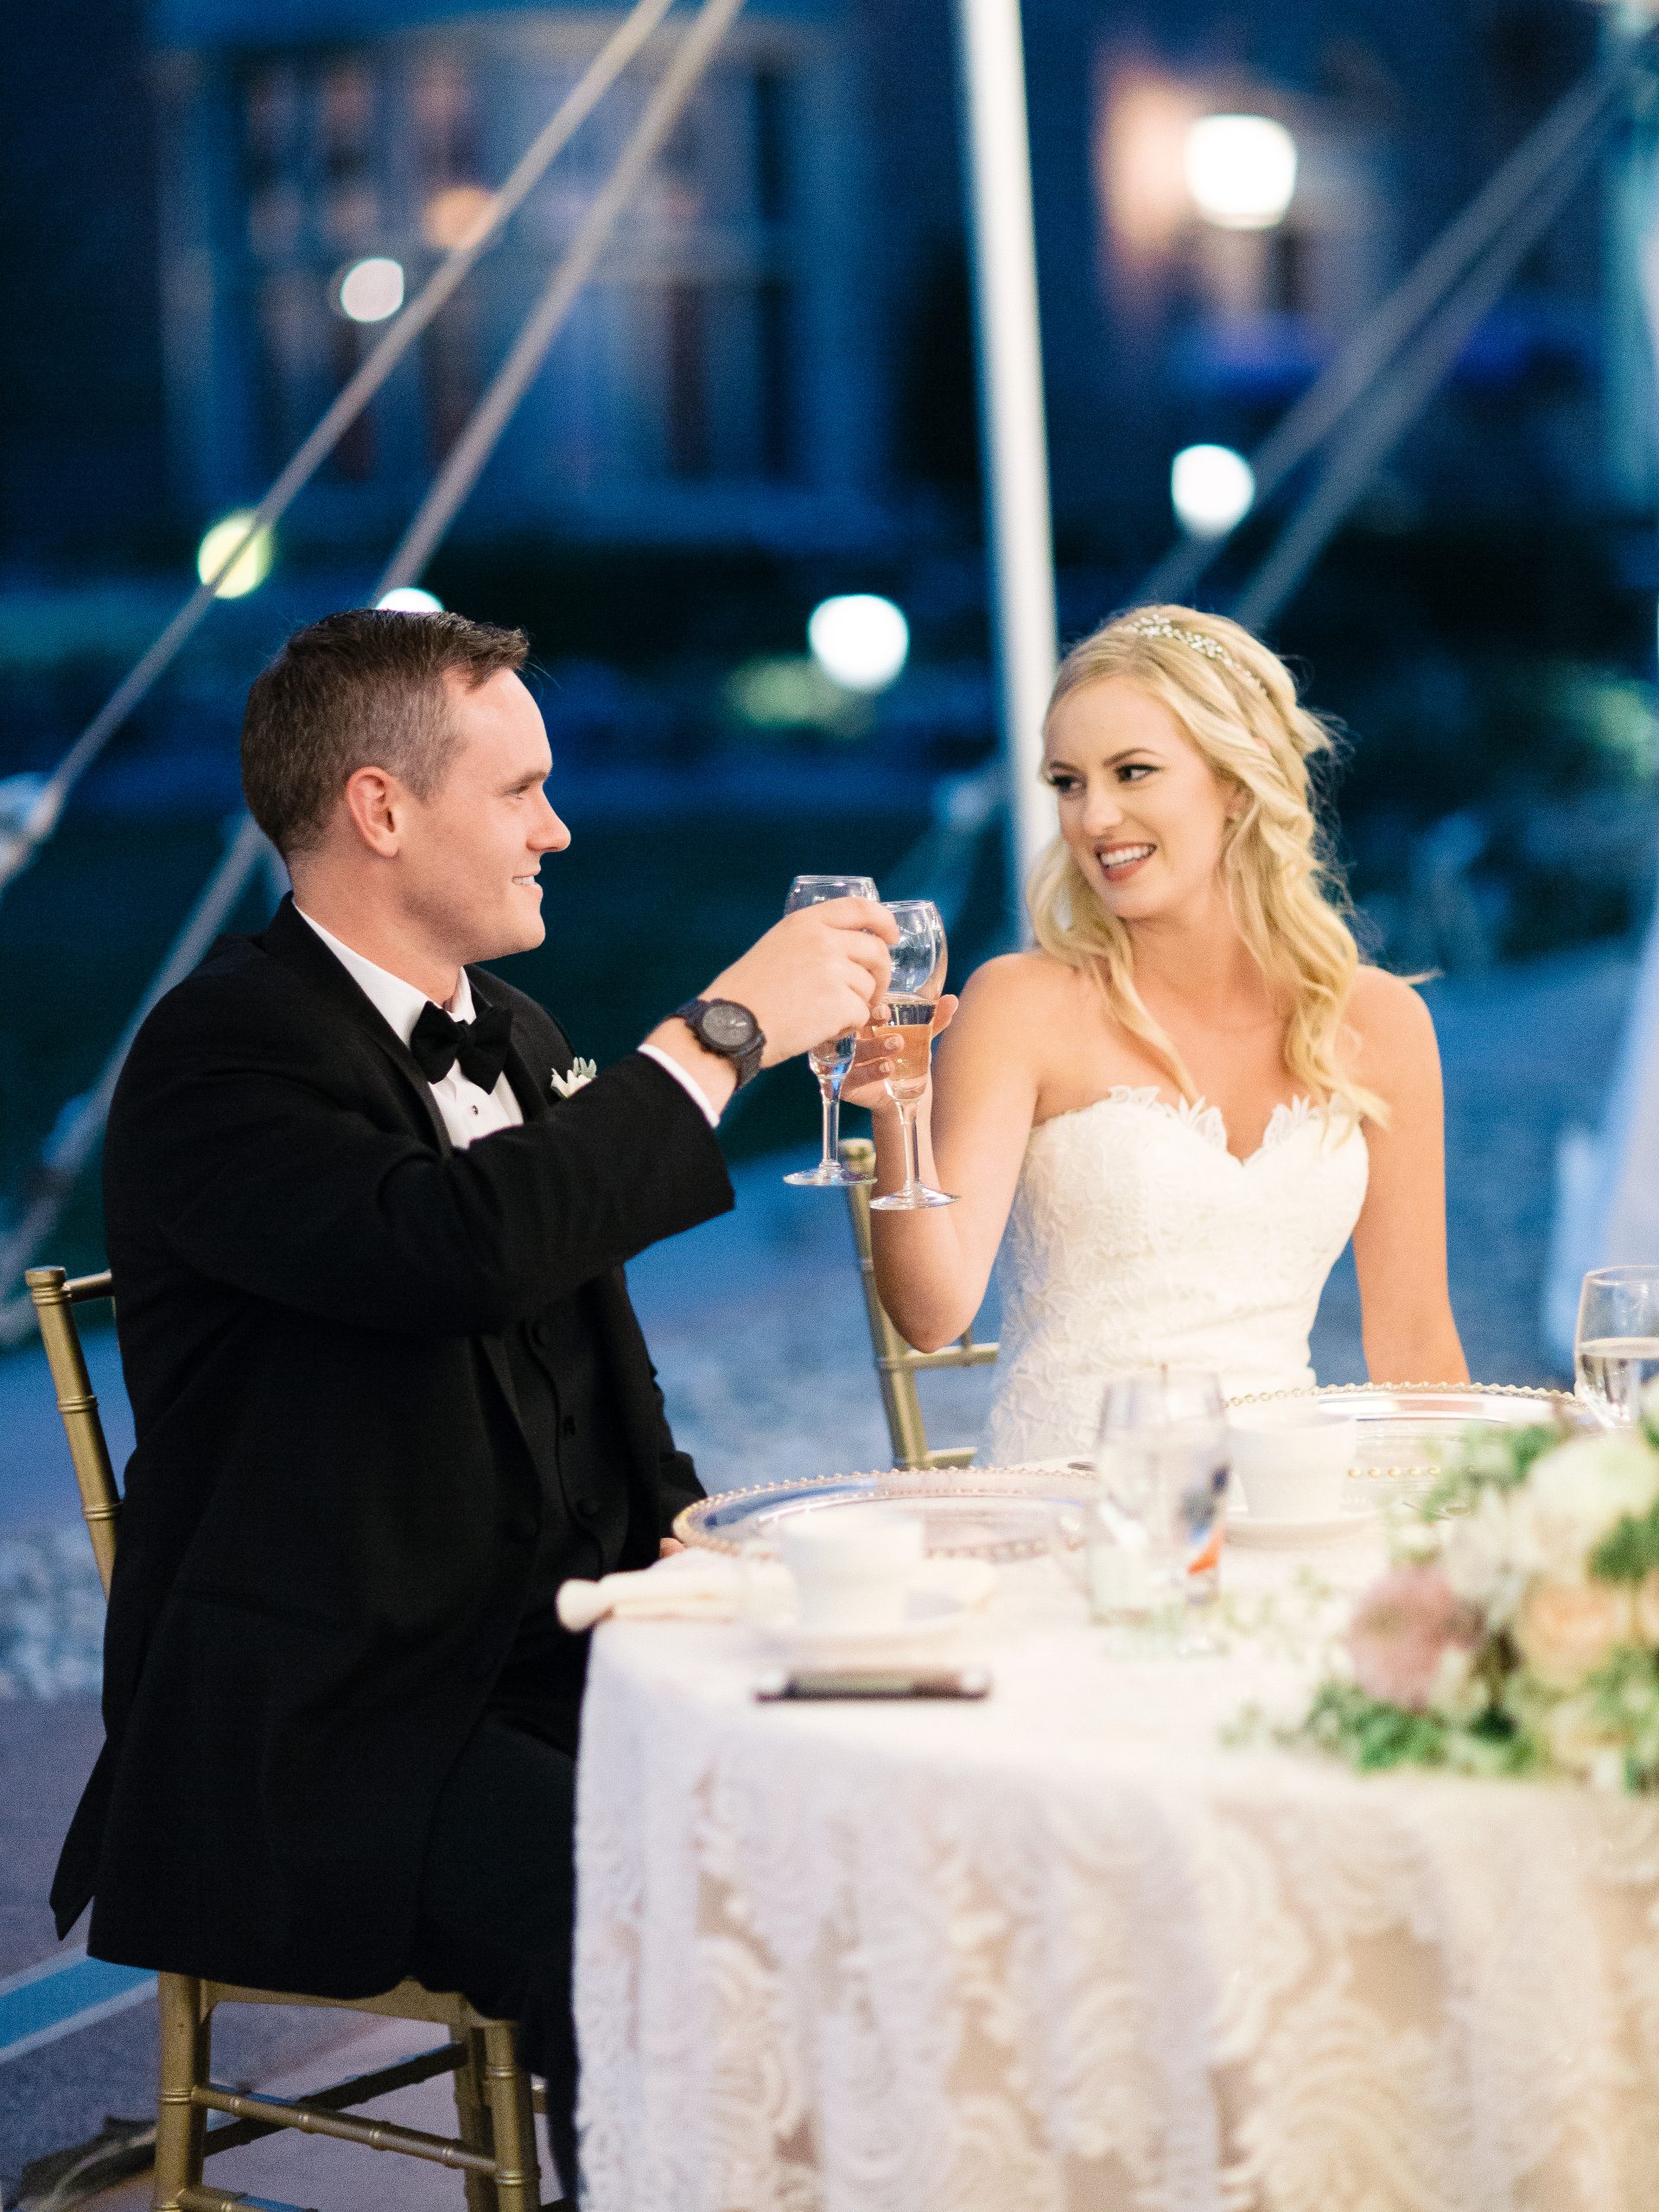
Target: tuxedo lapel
[529,1087]
[291,940]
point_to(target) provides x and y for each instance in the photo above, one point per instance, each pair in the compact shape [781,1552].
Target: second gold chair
[897,1365]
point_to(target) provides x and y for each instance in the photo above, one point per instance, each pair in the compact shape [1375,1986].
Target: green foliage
[1485,1461]
[1631,1552]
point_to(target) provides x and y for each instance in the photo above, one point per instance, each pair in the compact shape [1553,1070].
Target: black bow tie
[480,1046]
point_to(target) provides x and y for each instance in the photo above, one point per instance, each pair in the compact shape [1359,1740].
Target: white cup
[1292,1461]
[852,1564]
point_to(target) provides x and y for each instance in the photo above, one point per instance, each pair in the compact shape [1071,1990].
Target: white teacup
[1292,1461]
[852,1564]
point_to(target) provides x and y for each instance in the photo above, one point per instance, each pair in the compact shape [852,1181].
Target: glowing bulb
[1210,488]
[371,290]
[860,641]
[251,567]
[1241,170]
[410,599]
[456,215]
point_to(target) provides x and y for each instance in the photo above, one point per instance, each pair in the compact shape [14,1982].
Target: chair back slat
[896,1363]
[55,1298]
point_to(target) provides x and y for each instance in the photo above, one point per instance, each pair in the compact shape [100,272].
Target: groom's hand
[814,974]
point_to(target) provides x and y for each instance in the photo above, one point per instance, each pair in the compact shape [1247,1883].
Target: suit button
[541,1333]
[570,1424]
[584,1510]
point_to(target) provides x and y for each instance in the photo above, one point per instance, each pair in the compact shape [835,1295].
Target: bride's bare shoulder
[1386,1009]
[1030,982]
[1397,1052]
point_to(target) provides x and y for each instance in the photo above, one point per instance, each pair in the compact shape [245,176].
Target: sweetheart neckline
[1205,1121]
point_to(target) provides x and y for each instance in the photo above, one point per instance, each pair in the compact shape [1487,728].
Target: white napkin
[689,1586]
[704,1586]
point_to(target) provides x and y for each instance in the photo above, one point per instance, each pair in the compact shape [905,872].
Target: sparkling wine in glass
[904,1037]
[831,1060]
[1616,1352]
[1161,1457]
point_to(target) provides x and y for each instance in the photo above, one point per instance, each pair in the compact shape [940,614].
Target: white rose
[1579,1492]
[1567,1630]
[1489,1553]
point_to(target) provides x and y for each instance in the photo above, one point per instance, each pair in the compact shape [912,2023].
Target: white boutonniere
[581,1073]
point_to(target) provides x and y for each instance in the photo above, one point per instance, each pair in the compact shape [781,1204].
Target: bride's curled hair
[1237,703]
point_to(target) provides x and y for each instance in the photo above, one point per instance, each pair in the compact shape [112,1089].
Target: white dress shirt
[468,1112]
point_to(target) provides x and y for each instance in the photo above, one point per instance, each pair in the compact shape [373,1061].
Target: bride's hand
[866,1082]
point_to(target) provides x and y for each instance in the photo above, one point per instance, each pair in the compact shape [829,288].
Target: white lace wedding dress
[1136,1238]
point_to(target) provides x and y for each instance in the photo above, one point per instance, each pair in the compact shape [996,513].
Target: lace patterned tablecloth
[1067,1952]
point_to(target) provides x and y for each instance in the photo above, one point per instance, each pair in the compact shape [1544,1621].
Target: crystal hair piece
[1160,625]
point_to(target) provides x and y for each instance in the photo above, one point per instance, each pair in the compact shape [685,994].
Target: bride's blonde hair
[1237,703]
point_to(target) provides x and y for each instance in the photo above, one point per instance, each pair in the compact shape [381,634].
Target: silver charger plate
[1408,1431]
[995,1513]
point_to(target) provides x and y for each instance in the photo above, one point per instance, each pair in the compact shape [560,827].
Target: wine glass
[1161,1457]
[831,1060]
[906,1033]
[1616,1351]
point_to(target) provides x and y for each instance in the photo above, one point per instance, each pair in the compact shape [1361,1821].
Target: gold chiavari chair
[897,1365]
[495,2149]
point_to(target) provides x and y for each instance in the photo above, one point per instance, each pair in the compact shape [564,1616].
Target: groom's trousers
[498,1897]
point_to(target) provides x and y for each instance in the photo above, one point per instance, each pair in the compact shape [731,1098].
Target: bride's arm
[1399,1237]
[931,1268]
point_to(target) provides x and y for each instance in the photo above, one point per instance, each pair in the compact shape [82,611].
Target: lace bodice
[1137,1238]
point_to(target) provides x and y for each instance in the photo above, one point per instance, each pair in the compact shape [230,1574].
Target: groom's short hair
[360,689]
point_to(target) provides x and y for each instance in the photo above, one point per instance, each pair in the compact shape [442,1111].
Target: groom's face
[472,851]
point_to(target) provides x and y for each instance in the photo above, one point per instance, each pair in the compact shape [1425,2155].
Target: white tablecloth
[1066,1949]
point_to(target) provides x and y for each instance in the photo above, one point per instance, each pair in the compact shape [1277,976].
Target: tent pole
[997,147]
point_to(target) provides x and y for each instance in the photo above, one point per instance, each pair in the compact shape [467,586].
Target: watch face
[728,1027]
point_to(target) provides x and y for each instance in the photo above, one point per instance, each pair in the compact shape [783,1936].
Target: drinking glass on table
[830,1060]
[1616,1351]
[1161,1457]
[905,1036]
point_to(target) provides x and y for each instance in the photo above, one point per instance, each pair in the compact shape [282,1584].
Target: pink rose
[1565,1629]
[1402,1633]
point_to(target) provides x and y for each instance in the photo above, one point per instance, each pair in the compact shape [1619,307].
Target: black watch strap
[723,1027]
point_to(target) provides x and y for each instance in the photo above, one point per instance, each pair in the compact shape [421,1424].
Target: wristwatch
[721,1025]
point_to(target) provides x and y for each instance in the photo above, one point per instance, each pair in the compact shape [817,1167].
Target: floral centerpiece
[1516,1629]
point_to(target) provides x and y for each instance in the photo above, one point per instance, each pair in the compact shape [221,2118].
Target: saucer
[1285,1532]
[931,1616]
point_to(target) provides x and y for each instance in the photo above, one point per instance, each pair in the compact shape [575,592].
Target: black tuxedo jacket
[331,1513]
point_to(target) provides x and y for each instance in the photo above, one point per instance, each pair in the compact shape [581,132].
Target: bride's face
[1142,810]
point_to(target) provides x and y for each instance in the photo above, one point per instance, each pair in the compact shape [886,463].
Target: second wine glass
[831,1060]
[906,1037]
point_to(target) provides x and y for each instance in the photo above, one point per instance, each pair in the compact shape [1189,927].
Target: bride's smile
[1141,810]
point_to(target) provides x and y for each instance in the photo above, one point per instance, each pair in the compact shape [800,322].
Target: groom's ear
[374,803]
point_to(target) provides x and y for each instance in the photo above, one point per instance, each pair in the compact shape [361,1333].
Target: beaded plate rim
[1561,1402]
[917,1482]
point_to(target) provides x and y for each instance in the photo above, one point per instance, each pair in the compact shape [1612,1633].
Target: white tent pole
[1015,437]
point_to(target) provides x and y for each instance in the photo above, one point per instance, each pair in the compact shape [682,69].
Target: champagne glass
[1616,1351]
[830,1061]
[906,1033]
[1161,1457]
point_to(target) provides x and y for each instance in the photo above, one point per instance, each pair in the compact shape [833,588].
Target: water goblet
[1616,1349]
[830,1060]
[1161,1456]
[906,1035]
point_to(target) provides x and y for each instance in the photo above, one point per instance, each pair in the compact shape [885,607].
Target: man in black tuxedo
[387,1386]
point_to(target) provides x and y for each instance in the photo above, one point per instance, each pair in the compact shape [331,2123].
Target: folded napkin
[690,1585]
[704,1586]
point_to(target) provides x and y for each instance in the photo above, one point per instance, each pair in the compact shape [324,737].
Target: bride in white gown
[1181,1105]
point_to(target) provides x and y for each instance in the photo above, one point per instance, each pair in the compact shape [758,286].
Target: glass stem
[908,1108]
[830,1107]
